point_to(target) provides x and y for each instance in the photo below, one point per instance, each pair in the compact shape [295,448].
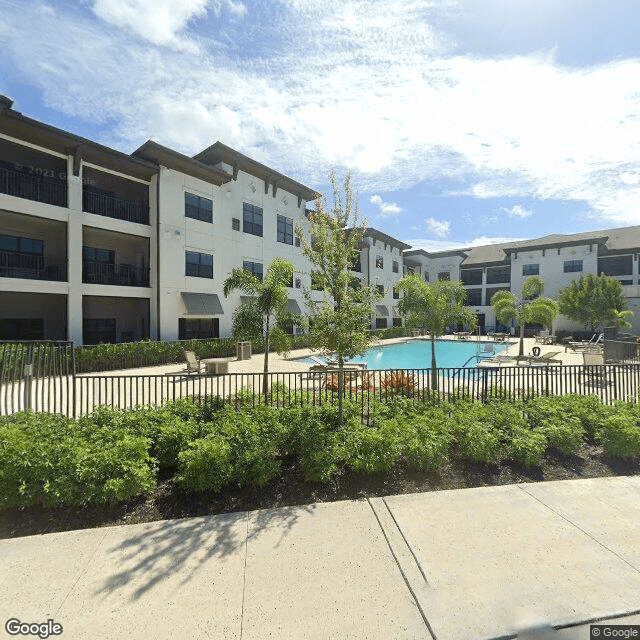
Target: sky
[463,122]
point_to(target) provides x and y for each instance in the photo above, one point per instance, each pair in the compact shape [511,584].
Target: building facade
[100,246]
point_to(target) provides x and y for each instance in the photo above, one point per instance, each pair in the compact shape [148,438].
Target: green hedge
[114,454]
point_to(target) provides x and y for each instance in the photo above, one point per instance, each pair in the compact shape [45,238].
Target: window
[21,245]
[251,219]
[199,265]
[426,276]
[97,330]
[530,269]
[253,267]
[198,208]
[356,265]
[379,262]
[471,276]
[380,289]
[198,328]
[285,230]
[626,281]
[572,266]
[91,254]
[396,294]
[298,283]
[444,275]
[381,323]
[498,274]
[297,241]
[615,265]
[22,329]
[395,266]
[397,322]
[474,297]
[235,224]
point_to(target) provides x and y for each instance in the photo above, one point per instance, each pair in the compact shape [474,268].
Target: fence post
[28,380]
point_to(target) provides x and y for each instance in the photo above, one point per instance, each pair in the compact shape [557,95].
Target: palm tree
[269,298]
[531,307]
[434,306]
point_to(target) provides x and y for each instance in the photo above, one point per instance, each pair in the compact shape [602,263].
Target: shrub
[50,460]
[426,438]
[619,432]
[477,437]
[526,447]
[206,464]
[371,449]
[556,420]
[314,435]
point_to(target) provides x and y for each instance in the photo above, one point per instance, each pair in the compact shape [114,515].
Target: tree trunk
[521,354]
[340,388]
[265,377]
[434,366]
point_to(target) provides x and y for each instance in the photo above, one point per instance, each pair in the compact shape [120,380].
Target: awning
[396,312]
[202,304]
[293,306]
[382,310]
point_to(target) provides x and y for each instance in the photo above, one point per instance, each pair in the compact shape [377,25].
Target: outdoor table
[216,365]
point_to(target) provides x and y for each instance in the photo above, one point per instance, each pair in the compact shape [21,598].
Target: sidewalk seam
[405,540]
[404,576]
[244,574]
[86,566]
[586,533]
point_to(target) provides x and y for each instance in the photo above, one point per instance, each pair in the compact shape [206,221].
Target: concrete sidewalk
[453,565]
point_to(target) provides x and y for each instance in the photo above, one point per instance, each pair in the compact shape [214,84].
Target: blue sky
[464,122]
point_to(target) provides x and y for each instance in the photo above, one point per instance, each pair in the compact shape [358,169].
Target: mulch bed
[170,501]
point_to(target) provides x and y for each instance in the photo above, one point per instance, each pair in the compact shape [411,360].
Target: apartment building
[558,259]
[100,246]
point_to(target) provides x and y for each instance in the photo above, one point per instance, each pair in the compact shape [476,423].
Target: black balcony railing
[122,275]
[26,265]
[33,187]
[112,206]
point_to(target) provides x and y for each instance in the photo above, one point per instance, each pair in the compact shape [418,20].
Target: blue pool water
[416,354]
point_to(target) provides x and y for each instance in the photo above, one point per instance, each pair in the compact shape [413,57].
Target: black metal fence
[33,187]
[74,395]
[124,275]
[112,206]
[15,264]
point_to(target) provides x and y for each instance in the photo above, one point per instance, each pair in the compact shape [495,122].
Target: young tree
[342,315]
[434,306]
[267,305]
[593,301]
[531,307]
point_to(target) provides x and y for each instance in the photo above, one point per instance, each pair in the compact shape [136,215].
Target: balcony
[112,206]
[120,275]
[32,267]
[33,187]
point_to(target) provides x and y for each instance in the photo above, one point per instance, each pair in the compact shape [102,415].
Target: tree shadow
[160,550]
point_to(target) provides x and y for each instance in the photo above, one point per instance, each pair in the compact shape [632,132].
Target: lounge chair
[545,358]
[542,336]
[583,345]
[594,371]
[193,362]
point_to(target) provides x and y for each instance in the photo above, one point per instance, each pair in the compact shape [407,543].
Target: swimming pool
[416,354]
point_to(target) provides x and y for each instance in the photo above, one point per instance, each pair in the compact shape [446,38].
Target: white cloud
[385,209]
[159,21]
[518,211]
[342,83]
[438,227]
[428,244]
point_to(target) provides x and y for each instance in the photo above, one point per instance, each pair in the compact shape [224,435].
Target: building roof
[15,124]
[219,152]
[158,154]
[610,240]
[383,237]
